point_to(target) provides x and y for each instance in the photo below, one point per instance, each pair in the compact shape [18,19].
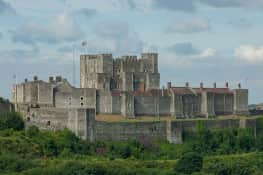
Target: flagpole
[74,66]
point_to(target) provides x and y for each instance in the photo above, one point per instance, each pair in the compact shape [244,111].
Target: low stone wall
[82,123]
[130,130]
[48,118]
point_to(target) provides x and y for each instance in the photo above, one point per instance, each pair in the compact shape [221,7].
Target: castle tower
[96,71]
[150,62]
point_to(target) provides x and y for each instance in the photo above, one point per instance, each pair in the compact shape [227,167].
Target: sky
[197,40]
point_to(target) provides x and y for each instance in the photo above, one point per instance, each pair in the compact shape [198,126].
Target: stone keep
[127,73]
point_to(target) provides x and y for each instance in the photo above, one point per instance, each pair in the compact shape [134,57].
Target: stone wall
[66,96]
[45,93]
[104,102]
[240,101]
[82,122]
[116,104]
[127,105]
[145,105]
[127,81]
[152,81]
[48,118]
[164,105]
[223,104]
[132,130]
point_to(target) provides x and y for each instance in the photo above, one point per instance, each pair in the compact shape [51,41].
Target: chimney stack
[226,85]
[51,79]
[35,78]
[239,85]
[169,85]
[201,85]
[187,84]
[58,78]
[214,85]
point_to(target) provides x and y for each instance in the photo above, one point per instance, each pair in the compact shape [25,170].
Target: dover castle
[125,86]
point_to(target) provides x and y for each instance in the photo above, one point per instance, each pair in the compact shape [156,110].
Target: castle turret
[152,62]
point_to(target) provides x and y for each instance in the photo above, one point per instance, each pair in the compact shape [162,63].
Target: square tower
[96,71]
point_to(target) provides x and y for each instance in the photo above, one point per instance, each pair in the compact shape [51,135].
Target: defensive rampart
[82,122]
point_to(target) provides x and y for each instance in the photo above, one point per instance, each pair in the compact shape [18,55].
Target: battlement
[94,56]
[128,58]
[128,72]
[51,80]
[149,55]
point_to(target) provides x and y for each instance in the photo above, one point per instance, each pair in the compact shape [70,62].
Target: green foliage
[259,142]
[2,100]
[260,125]
[12,163]
[32,151]
[11,120]
[190,162]
[32,132]
[223,141]
[234,164]
[200,125]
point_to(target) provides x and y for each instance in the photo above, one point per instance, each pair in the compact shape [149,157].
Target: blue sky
[197,40]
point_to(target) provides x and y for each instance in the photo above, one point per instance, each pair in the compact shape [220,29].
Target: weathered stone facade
[129,87]
[125,86]
[126,74]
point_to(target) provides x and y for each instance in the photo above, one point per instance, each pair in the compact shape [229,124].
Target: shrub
[32,131]
[11,163]
[233,167]
[190,162]
[260,142]
[11,120]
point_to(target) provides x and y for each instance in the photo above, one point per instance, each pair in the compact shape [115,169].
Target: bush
[12,163]
[190,162]
[32,131]
[11,120]
[260,142]
[221,167]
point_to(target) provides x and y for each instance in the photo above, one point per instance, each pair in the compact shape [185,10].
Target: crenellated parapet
[125,73]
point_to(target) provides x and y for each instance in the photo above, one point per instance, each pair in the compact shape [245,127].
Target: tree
[11,120]
[190,162]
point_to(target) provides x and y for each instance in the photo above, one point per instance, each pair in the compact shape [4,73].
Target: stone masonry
[124,86]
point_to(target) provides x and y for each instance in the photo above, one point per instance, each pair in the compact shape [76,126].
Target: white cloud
[62,28]
[194,25]
[188,51]
[209,52]
[249,53]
